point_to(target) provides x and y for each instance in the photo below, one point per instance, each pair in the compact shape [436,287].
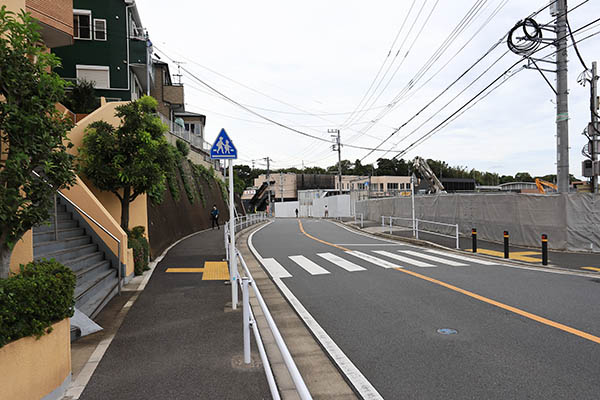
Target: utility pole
[594,126]
[268,181]
[562,100]
[337,146]
[281,185]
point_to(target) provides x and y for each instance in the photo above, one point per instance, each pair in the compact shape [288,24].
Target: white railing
[246,282]
[361,219]
[417,225]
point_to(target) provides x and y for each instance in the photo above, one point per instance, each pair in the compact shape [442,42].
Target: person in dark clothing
[214,214]
[296,213]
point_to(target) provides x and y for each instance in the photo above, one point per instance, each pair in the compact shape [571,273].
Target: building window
[98,74]
[392,186]
[99,29]
[82,24]
[402,186]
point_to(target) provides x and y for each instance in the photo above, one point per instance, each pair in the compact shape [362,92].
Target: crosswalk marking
[308,265]
[340,262]
[275,269]
[433,258]
[374,260]
[407,260]
[459,257]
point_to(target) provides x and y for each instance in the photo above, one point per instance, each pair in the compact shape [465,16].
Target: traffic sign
[223,148]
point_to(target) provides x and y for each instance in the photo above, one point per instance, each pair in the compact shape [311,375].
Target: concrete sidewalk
[589,262]
[178,340]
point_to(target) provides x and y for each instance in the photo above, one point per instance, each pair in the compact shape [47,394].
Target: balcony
[55,19]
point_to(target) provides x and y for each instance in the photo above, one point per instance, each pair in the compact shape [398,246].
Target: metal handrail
[301,387]
[99,225]
[416,229]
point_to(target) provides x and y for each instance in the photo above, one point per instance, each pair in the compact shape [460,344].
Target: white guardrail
[362,217]
[417,224]
[246,282]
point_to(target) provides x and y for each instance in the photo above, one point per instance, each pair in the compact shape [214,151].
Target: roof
[188,114]
[457,180]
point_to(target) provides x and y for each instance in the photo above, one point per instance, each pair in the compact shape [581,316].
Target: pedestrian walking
[214,216]
[296,213]
[326,211]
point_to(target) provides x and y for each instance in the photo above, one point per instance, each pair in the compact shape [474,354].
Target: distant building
[520,187]
[378,186]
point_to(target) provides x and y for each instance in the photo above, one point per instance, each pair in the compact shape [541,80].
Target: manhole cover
[447,331]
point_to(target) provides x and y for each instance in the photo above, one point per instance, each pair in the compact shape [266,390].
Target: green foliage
[30,302]
[141,249]
[132,159]
[182,147]
[32,131]
[81,99]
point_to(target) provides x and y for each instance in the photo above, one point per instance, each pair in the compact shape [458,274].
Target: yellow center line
[591,268]
[515,310]
[319,240]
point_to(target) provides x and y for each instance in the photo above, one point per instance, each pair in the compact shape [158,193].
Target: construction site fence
[571,220]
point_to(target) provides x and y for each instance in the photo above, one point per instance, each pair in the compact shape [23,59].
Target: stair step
[63,256]
[96,294]
[62,216]
[89,274]
[39,237]
[57,245]
[64,224]
[83,262]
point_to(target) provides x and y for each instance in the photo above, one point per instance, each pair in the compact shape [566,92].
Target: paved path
[521,332]
[177,341]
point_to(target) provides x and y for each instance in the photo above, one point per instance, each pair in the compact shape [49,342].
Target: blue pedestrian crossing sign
[223,148]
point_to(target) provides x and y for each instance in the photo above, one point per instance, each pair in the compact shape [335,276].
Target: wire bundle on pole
[525,45]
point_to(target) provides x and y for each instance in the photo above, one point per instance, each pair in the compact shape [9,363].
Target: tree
[131,159]
[32,132]
[81,99]
[523,177]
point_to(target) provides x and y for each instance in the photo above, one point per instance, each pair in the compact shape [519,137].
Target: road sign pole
[233,257]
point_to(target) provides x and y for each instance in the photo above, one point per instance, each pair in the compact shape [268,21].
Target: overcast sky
[308,64]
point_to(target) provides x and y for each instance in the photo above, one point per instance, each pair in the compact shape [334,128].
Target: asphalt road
[521,333]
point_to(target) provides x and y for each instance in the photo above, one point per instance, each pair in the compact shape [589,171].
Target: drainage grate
[447,331]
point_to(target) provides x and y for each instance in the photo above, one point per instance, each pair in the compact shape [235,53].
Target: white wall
[286,209]
[338,206]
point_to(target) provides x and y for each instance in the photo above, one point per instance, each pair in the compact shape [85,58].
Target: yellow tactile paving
[185,270]
[515,255]
[215,271]
[591,268]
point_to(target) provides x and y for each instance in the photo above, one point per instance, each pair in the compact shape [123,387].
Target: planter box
[36,369]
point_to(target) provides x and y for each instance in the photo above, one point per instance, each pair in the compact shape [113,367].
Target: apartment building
[111,48]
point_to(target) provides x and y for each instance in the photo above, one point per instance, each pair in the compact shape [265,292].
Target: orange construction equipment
[541,183]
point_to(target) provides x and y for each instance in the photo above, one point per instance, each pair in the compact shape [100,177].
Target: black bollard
[544,249]
[474,236]
[505,244]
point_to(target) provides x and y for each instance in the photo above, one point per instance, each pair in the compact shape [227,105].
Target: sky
[309,65]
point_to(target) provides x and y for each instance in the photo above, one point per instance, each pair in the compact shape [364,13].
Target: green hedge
[141,249]
[31,301]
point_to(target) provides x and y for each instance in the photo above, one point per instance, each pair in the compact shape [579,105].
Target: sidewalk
[579,261]
[178,340]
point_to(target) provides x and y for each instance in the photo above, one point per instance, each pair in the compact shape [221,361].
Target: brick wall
[57,14]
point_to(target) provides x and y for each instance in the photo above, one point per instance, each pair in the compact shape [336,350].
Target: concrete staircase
[77,248]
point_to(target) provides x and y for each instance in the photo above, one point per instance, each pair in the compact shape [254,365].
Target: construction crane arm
[541,183]
[426,173]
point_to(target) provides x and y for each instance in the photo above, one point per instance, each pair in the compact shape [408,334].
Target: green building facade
[110,49]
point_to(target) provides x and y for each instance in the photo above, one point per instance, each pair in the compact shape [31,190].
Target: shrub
[182,147]
[30,302]
[141,249]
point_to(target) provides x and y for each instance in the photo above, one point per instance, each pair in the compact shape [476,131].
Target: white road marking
[464,258]
[309,266]
[433,258]
[275,269]
[354,376]
[340,262]
[407,260]
[374,260]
